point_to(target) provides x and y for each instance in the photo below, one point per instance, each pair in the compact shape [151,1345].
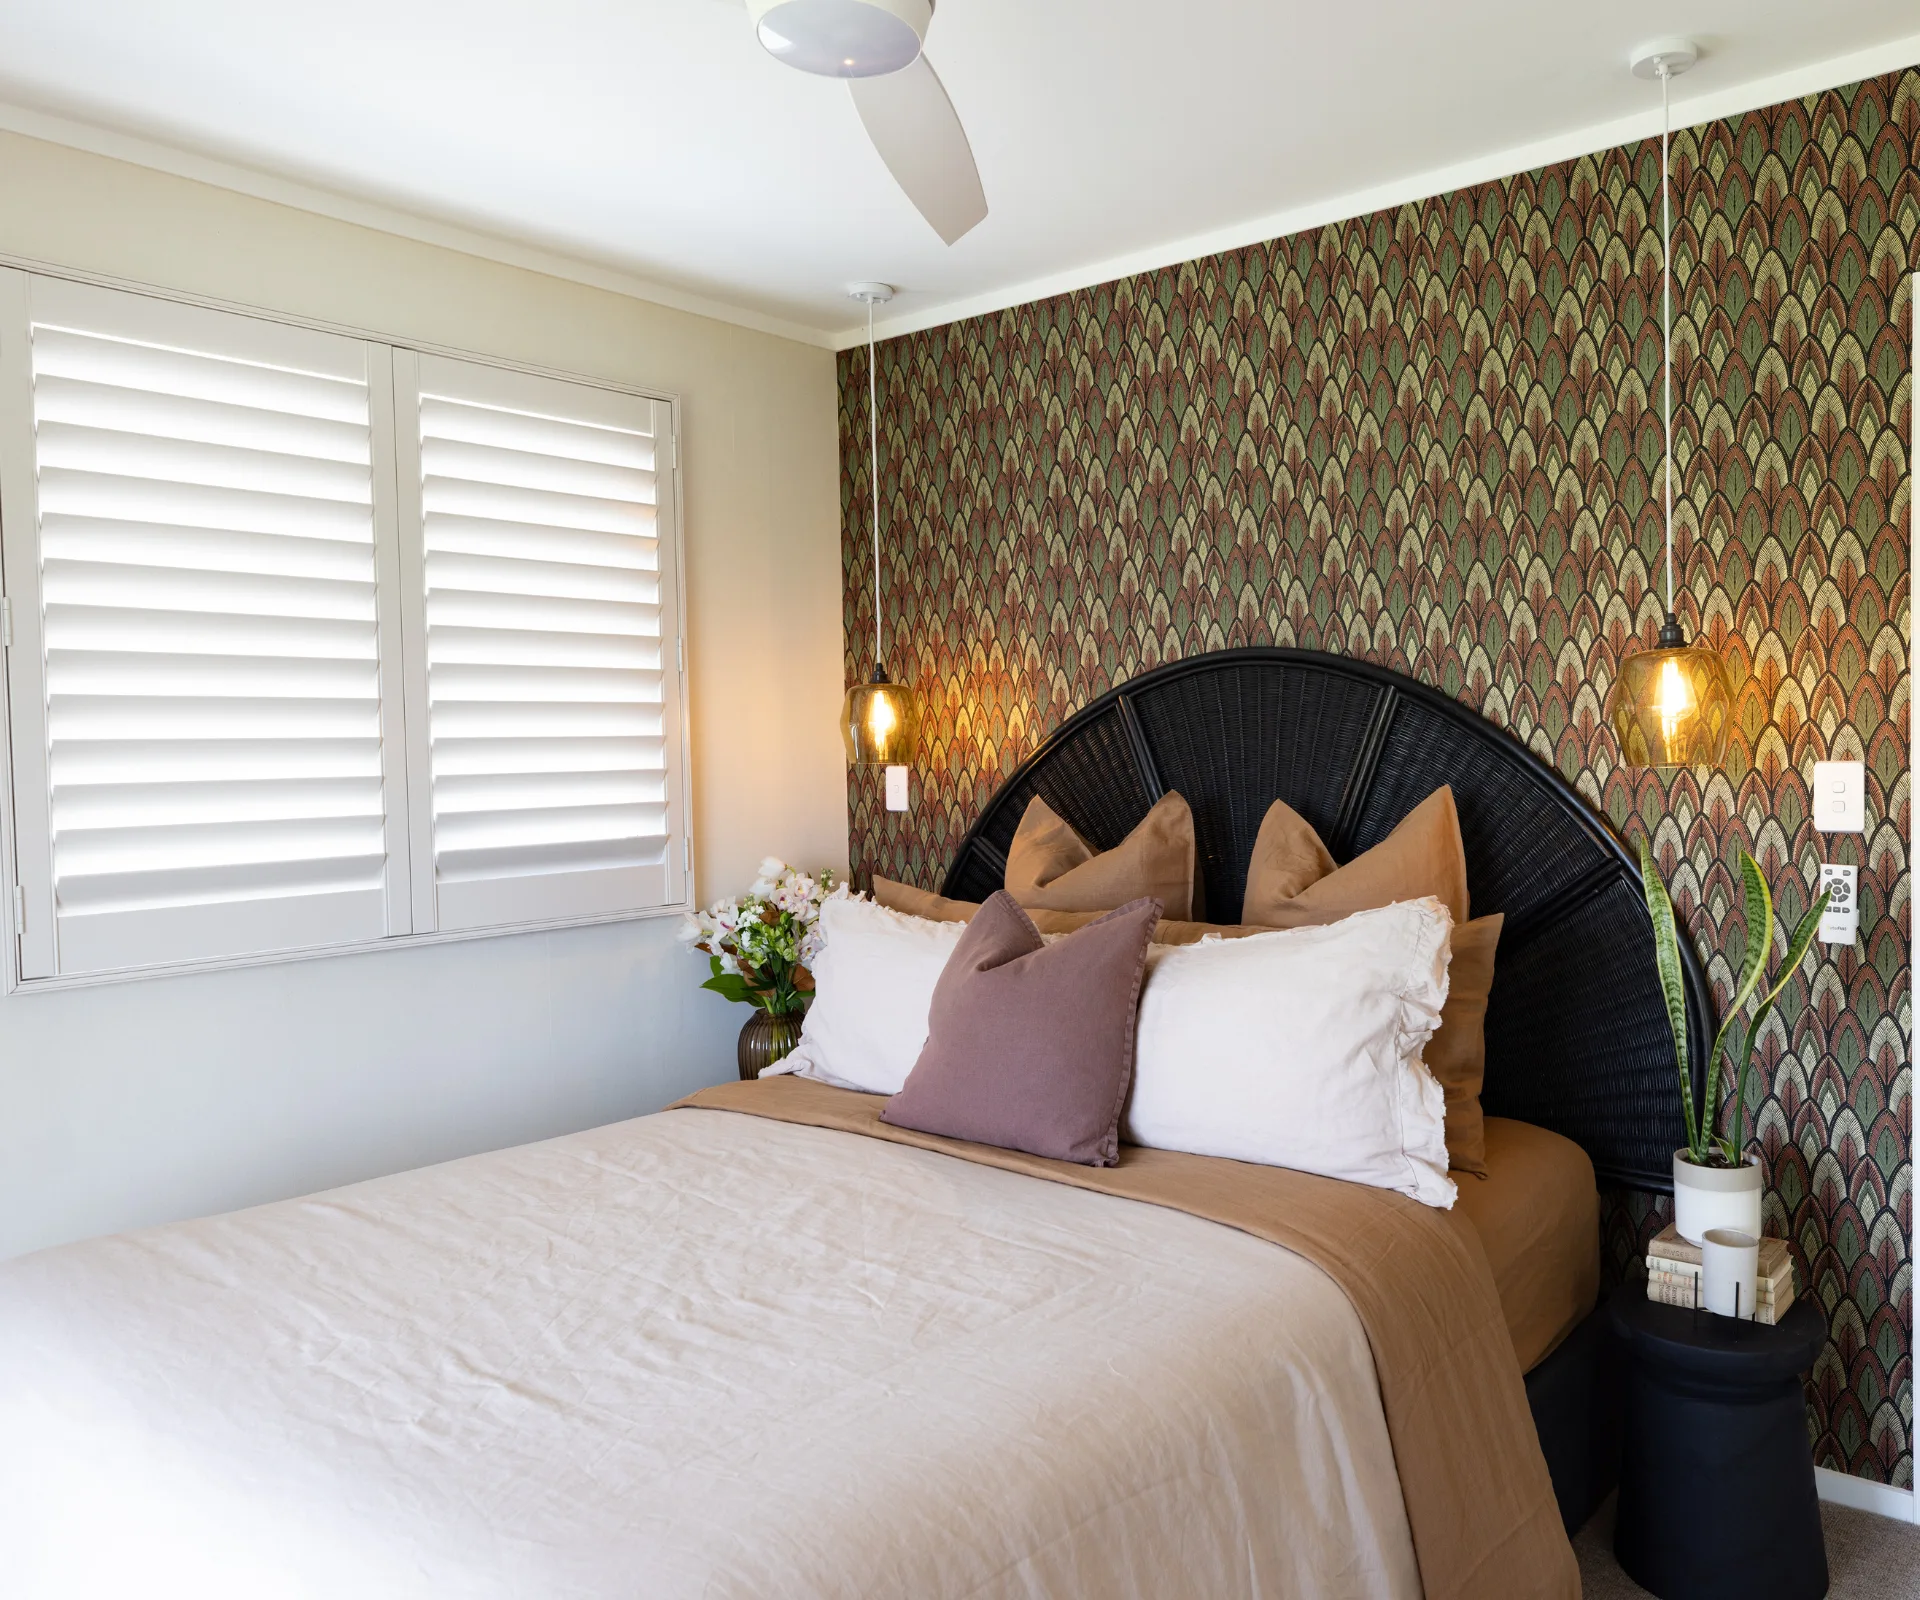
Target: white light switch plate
[896,788]
[1840,923]
[1839,797]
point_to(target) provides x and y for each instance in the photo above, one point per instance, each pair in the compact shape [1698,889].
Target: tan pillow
[1422,856]
[1457,1052]
[1287,858]
[914,902]
[1170,932]
[1051,868]
[938,908]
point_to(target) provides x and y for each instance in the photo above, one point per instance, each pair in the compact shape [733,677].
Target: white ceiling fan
[876,46]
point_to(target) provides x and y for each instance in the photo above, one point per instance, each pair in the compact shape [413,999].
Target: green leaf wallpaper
[1431,438]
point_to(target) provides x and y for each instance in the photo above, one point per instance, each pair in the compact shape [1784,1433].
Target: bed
[713,1354]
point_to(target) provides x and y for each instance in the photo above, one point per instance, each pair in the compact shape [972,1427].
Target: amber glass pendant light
[880,719]
[1671,706]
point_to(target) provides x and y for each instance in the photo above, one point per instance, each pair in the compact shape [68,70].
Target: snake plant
[1706,1144]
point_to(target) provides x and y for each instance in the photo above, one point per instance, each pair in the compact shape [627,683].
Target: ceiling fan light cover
[843,38]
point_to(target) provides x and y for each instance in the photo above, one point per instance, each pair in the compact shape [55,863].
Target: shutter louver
[549,712]
[209,633]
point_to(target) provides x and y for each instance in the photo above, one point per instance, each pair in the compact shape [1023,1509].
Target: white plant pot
[1715,1197]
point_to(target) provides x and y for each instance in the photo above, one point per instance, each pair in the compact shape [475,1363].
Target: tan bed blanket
[1478,1497]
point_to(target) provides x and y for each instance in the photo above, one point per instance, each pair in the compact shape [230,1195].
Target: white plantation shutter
[537,558]
[192,507]
[313,642]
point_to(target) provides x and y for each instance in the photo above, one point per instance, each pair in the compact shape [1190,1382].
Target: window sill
[405,941]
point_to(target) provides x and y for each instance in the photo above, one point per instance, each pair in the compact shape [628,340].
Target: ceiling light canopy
[843,38]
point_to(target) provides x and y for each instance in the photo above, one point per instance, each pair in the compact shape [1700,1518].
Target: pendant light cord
[1667,323]
[873,483]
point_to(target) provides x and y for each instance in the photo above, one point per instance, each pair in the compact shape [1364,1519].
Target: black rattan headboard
[1577,1035]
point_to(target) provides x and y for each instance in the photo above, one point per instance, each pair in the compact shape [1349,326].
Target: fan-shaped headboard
[1577,1034]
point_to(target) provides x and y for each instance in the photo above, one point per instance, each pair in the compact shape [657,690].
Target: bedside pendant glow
[879,722]
[1671,706]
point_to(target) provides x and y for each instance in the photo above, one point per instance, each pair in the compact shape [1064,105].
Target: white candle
[1729,1272]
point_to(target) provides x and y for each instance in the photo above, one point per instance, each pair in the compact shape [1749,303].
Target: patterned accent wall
[1430,438]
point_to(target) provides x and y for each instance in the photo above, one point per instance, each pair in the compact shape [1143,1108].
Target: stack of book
[1673,1274]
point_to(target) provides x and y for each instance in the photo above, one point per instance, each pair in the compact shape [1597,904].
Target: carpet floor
[1868,1557]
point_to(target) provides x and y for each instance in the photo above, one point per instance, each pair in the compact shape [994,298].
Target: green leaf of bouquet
[729,986]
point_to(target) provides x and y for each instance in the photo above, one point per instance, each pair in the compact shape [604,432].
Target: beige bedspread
[1478,1498]
[718,1356]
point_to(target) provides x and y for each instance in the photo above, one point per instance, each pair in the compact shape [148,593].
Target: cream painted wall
[139,1102]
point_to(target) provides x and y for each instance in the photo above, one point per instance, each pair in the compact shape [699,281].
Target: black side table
[1717,1496]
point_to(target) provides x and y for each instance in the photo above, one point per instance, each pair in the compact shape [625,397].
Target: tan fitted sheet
[1538,1216]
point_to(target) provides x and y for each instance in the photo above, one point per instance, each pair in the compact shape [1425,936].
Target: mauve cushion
[1029,1044]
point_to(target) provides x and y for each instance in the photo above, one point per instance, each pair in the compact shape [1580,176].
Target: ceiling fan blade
[913,125]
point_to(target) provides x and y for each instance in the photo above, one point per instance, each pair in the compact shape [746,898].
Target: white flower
[738,935]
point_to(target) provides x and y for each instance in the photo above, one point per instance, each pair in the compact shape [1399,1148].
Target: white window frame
[19,629]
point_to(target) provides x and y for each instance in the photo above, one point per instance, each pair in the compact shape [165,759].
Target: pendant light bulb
[1671,706]
[878,722]
[879,719]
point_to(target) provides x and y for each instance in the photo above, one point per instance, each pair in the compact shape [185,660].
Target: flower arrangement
[761,944]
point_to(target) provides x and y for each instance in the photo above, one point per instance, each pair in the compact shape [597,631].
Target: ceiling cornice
[383,218]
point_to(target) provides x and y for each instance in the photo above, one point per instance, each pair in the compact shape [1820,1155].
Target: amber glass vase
[765,1039]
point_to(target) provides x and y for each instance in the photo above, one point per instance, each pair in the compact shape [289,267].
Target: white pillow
[1301,1049]
[873,989]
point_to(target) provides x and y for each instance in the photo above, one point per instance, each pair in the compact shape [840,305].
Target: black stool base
[1717,1495]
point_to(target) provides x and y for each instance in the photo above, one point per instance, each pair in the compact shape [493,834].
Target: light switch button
[896,788]
[1839,797]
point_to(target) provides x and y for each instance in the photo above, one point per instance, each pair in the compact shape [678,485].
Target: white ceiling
[654,138]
